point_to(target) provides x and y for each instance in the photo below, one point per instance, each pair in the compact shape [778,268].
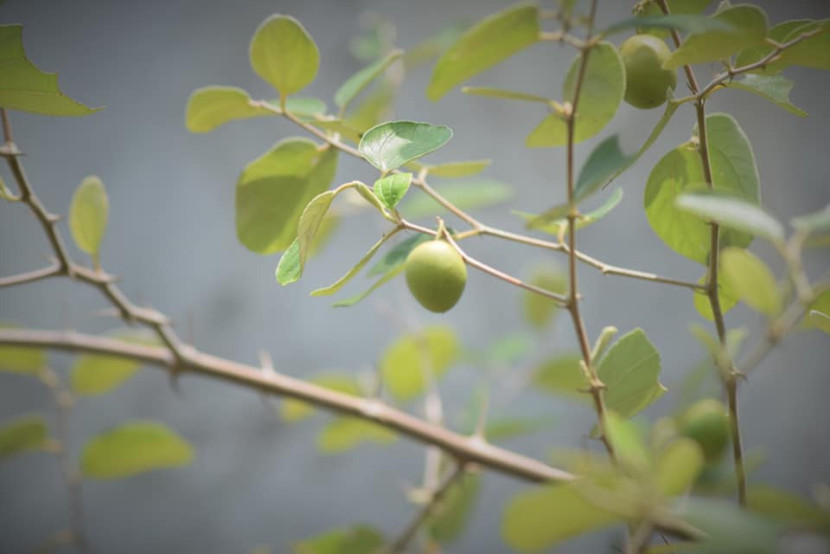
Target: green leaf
[727,295]
[210,107]
[305,106]
[94,374]
[508,349]
[355,84]
[20,359]
[407,362]
[468,195]
[751,279]
[23,434]
[459,169]
[561,375]
[453,513]
[336,286]
[390,145]
[816,222]
[498,430]
[377,106]
[547,515]
[351,301]
[748,28]
[289,269]
[603,163]
[676,7]
[24,87]
[538,311]
[345,433]
[273,190]
[560,225]
[677,467]
[732,212]
[292,410]
[629,447]
[88,214]
[729,528]
[325,233]
[491,92]
[687,23]
[734,172]
[813,52]
[133,448]
[788,507]
[397,255]
[774,88]
[284,55]
[630,371]
[602,91]
[341,127]
[491,41]
[778,33]
[392,188]
[358,539]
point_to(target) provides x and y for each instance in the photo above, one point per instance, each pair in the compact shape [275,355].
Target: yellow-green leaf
[358,539]
[21,359]
[453,513]
[23,434]
[751,280]
[284,55]
[561,375]
[94,374]
[345,433]
[539,310]
[292,409]
[407,362]
[677,467]
[88,215]
[210,107]
[349,90]
[630,371]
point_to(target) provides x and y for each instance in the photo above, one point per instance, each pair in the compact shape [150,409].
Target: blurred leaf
[459,169]
[559,226]
[325,233]
[820,320]
[375,107]
[727,296]
[284,55]
[732,212]
[813,52]
[289,270]
[677,467]
[821,307]
[687,23]
[358,539]
[505,94]
[561,375]
[345,433]
[351,301]
[453,513]
[20,359]
[273,190]
[25,87]
[604,162]
[508,349]
[676,7]
[774,88]
[787,507]
[341,127]
[602,91]
[210,107]
[501,429]
[390,145]
[22,434]
[488,43]
[337,285]
[778,33]
[748,28]
[88,214]
[355,84]
[96,374]
[630,371]
[468,195]
[751,279]
[628,443]
[397,255]
[538,310]
[729,529]
[305,106]
[816,227]
[392,188]
[293,410]
[406,363]
[133,448]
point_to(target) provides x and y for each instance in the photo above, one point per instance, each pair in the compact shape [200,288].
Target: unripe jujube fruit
[436,275]
[707,423]
[646,82]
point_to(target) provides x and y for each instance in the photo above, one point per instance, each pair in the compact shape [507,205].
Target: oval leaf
[134,448]
[348,540]
[630,371]
[450,518]
[345,433]
[732,212]
[284,55]
[19,359]
[210,107]
[405,363]
[751,279]
[95,374]
[392,188]
[349,90]
[390,145]
[678,466]
[23,434]
[293,410]
[88,215]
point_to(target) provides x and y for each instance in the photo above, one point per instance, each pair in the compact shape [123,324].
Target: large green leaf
[778,33]
[94,374]
[561,375]
[292,409]
[813,52]
[210,107]
[23,434]
[358,539]
[24,87]
[676,7]
[626,438]
[788,507]
[748,28]
[21,359]
[450,518]
[544,516]
[630,371]
[349,90]
[775,88]
[409,361]
[390,145]
[677,467]
[467,195]
[602,91]
[273,190]
[680,171]
[344,433]
[489,42]
[751,279]
[88,215]
[133,448]
[732,212]
[728,528]
[284,55]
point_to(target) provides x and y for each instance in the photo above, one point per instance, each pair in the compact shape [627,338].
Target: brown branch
[30,276]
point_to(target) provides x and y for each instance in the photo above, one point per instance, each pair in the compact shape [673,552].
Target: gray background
[172,237]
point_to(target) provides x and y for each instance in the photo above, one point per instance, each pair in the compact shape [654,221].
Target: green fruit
[436,275]
[646,82]
[707,423]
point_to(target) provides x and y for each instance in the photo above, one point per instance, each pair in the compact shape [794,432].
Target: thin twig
[30,276]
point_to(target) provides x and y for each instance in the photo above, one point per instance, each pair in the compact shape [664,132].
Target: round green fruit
[436,275]
[707,423]
[646,82]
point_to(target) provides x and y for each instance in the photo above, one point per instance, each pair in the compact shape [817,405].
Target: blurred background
[172,238]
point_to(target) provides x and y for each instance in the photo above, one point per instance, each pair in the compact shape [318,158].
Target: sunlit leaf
[355,84]
[23,434]
[210,107]
[732,212]
[274,189]
[94,374]
[488,43]
[453,513]
[727,296]
[21,359]
[284,55]
[25,87]
[358,539]
[467,195]
[538,310]
[774,88]
[345,433]
[133,448]
[293,410]
[407,363]
[602,91]
[390,145]
[751,279]
[88,215]
[630,371]
[392,188]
